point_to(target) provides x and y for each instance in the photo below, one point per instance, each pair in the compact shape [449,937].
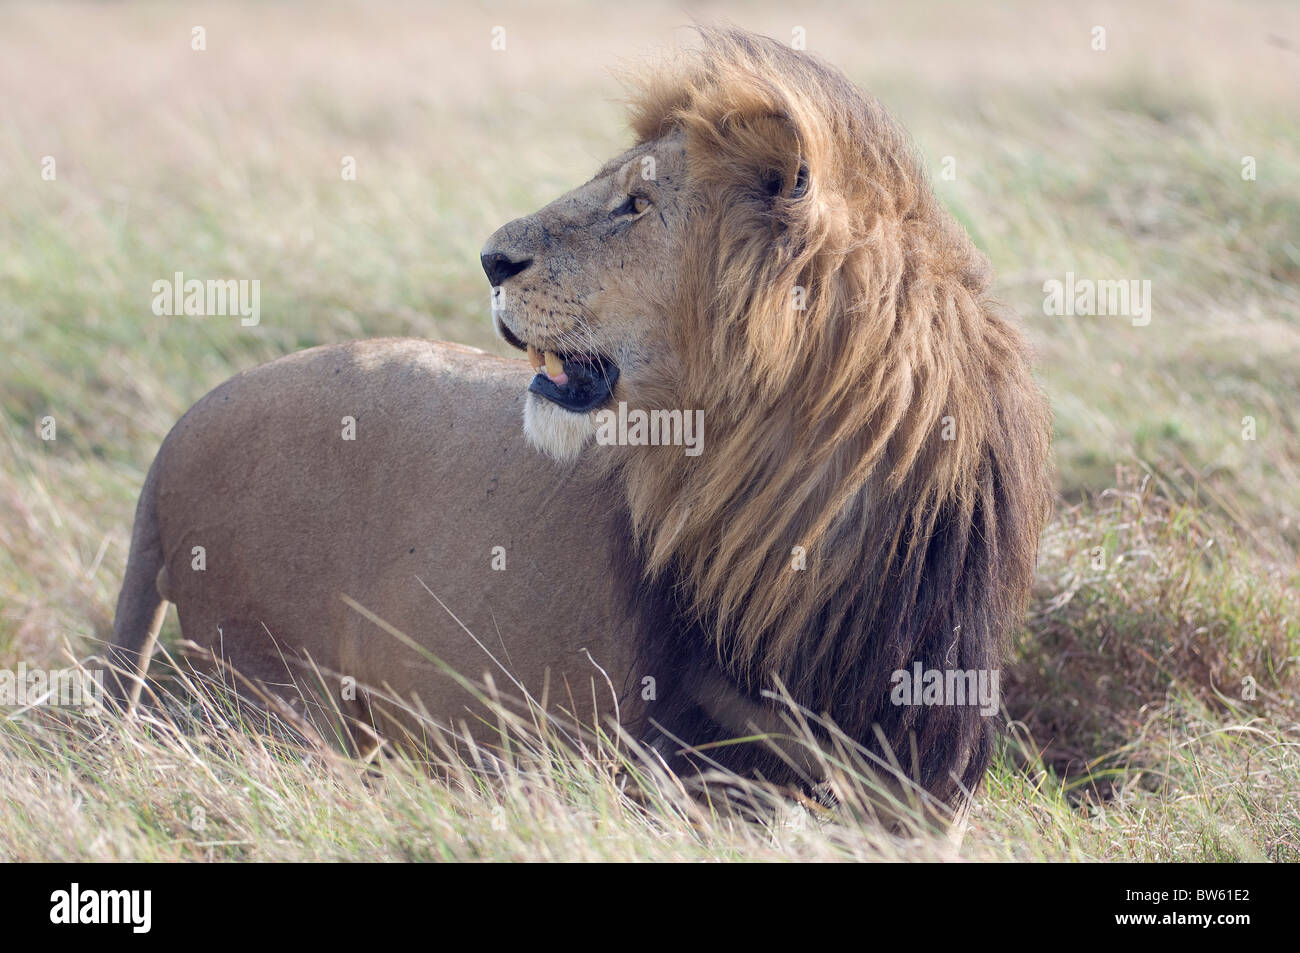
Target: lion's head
[875,474]
[587,286]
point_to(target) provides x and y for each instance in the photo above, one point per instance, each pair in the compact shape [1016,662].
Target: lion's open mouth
[577,382]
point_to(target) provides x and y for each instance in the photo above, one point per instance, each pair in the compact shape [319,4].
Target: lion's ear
[769,144]
[800,182]
[774,182]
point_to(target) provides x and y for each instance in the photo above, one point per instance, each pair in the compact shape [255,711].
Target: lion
[870,478]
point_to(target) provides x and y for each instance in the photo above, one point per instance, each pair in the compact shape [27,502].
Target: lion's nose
[499,266]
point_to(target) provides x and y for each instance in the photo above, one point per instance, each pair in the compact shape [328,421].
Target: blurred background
[226,162]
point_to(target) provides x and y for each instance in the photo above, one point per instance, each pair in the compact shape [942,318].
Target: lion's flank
[869,407]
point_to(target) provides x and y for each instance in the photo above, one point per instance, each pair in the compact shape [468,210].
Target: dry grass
[1131,737]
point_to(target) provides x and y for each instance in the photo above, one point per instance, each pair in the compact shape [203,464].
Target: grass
[1168,577]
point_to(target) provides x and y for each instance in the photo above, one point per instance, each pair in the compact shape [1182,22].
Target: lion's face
[583,286]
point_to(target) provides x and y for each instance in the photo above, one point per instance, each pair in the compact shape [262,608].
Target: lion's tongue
[548,363]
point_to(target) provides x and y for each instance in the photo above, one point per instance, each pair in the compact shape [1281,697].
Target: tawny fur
[795,279]
[828,423]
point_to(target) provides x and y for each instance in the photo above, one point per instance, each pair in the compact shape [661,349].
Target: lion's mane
[866,403]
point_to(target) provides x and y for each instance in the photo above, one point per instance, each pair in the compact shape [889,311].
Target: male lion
[867,497]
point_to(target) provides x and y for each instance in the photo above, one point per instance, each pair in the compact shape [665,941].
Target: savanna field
[1153,694]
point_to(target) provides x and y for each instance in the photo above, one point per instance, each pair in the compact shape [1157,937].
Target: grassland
[1168,577]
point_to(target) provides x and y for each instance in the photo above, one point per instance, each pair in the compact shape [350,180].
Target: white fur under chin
[554,431]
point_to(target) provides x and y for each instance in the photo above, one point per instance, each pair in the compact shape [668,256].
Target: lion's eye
[635,205]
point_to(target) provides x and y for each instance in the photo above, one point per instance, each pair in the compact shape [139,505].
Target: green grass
[1130,738]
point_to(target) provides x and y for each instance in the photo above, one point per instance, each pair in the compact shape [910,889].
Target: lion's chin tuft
[556,432]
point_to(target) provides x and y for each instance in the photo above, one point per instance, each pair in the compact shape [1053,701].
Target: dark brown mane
[889,429]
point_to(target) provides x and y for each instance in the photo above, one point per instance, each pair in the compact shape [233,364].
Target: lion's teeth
[535,360]
[554,366]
